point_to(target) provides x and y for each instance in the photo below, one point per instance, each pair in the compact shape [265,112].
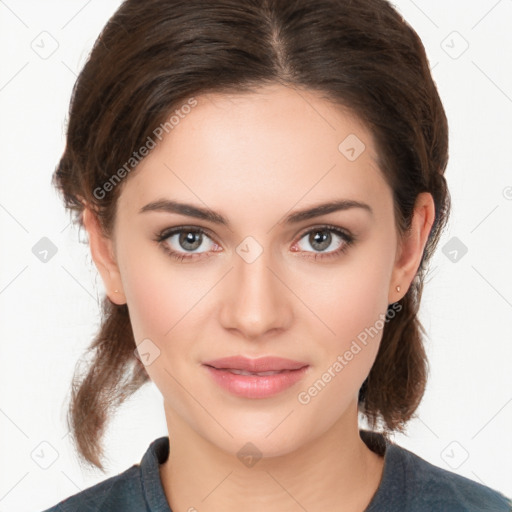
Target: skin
[255,158]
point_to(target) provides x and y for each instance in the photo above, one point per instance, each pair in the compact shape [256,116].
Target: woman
[262,183]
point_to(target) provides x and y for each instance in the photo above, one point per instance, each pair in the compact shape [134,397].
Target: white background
[49,311]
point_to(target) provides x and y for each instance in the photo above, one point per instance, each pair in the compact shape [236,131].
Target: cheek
[352,303]
[159,294]
[166,305]
[161,304]
[150,314]
[355,312]
[351,299]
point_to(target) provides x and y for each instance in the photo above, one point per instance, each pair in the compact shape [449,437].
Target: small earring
[398,288]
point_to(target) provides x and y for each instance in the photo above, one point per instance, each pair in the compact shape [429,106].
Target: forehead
[273,147]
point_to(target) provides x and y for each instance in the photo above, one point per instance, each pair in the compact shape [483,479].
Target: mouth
[255,378]
[253,366]
[245,372]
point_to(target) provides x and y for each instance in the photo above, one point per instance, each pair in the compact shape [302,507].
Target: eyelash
[348,241]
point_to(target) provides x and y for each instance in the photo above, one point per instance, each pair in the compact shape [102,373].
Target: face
[267,282]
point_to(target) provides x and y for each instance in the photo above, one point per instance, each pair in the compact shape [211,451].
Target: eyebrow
[189,210]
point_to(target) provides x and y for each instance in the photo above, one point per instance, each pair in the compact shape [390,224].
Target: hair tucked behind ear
[154,56]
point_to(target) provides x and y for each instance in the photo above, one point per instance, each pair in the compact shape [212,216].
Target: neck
[336,471]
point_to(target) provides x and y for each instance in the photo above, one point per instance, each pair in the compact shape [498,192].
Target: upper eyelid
[166,233]
[326,227]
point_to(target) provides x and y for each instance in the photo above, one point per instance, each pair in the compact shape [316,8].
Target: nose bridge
[257,301]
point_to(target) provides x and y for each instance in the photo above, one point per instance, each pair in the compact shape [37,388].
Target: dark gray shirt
[408,484]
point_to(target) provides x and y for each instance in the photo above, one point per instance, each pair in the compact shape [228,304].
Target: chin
[273,438]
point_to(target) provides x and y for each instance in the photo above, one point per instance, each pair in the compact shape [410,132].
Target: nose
[255,300]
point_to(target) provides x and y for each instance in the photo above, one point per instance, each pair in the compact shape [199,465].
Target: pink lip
[256,386]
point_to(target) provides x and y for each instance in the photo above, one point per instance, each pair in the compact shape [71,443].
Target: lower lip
[254,386]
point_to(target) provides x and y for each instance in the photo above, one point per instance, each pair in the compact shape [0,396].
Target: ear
[411,247]
[103,255]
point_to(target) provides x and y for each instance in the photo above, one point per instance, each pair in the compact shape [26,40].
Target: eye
[185,243]
[324,237]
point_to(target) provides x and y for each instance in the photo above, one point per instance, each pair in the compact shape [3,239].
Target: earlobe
[412,245]
[102,253]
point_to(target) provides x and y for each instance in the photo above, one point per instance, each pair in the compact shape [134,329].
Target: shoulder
[430,487]
[138,489]
[120,492]
[411,484]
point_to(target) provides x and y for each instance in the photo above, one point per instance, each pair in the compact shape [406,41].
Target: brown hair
[153,56]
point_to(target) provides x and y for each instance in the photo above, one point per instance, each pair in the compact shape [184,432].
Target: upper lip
[261,364]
